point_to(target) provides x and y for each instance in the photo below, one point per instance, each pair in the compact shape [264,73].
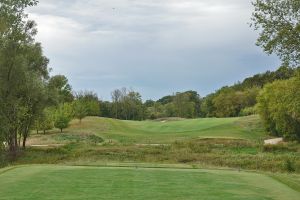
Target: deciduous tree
[279,24]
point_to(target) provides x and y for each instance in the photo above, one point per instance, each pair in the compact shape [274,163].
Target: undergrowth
[240,154]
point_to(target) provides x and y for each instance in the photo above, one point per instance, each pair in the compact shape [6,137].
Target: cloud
[158,47]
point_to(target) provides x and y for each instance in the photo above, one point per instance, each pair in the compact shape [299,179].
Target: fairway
[64,182]
[160,132]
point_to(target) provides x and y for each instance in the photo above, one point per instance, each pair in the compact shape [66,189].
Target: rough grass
[63,182]
[230,153]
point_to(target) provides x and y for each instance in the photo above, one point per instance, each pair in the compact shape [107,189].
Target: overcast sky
[156,47]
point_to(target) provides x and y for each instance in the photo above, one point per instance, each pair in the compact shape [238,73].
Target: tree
[80,109]
[90,101]
[279,107]
[184,106]
[166,99]
[63,116]
[230,101]
[156,111]
[207,107]
[23,69]
[45,121]
[60,88]
[131,104]
[106,109]
[279,23]
[116,98]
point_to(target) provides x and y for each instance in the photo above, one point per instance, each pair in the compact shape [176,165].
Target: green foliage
[63,116]
[240,98]
[165,100]
[127,104]
[88,138]
[182,104]
[45,121]
[23,73]
[80,109]
[278,21]
[248,111]
[228,102]
[157,110]
[60,89]
[106,109]
[289,166]
[279,107]
[259,80]
[90,101]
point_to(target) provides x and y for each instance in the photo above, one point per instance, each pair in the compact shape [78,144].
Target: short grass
[161,132]
[64,182]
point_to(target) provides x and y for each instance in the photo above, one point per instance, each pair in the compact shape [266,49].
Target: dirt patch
[152,145]
[273,141]
[46,145]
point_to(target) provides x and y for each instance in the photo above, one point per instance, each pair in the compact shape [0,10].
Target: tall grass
[238,154]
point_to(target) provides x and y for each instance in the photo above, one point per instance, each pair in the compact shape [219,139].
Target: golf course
[162,159]
[67,182]
[149,100]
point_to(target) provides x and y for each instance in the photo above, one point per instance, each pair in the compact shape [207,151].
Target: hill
[157,132]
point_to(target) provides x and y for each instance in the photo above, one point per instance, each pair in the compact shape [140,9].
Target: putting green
[64,182]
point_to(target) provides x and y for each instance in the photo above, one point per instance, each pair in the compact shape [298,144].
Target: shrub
[248,111]
[289,166]
[278,105]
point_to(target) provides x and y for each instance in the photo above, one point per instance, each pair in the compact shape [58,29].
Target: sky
[154,47]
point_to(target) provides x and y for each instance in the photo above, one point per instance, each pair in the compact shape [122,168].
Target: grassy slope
[61,182]
[166,132]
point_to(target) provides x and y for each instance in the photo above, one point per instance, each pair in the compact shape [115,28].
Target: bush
[248,111]
[289,166]
[79,138]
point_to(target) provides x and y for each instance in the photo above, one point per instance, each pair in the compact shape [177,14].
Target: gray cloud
[156,47]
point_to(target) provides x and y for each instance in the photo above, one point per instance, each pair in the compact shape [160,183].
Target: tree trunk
[61,130]
[24,142]
[19,139]
[16,138]
[12,147]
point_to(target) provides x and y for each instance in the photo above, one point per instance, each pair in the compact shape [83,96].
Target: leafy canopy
[279,23]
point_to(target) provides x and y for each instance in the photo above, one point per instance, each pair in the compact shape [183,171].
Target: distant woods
[127,104]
